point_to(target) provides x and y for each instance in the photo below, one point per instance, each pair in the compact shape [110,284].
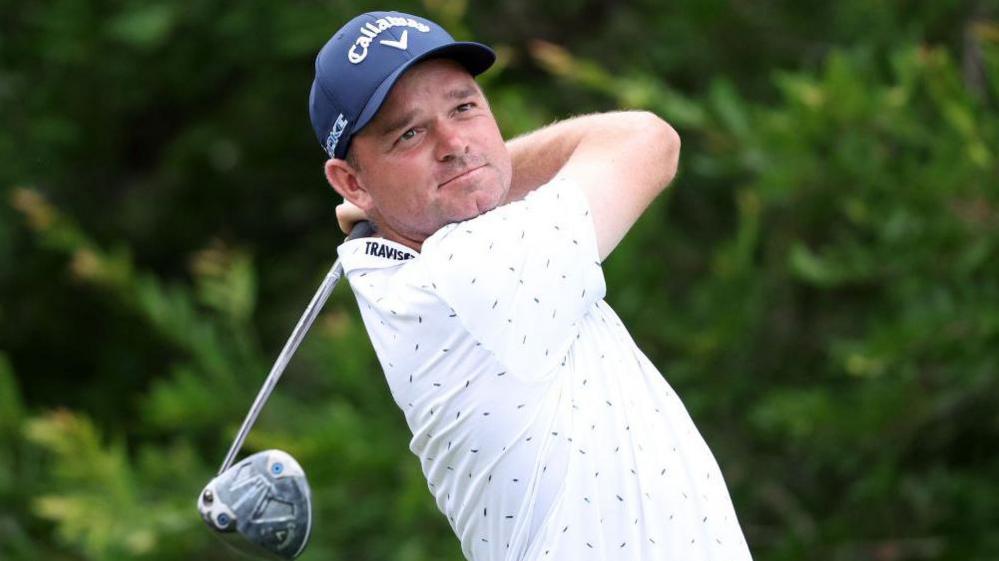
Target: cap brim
[475,57]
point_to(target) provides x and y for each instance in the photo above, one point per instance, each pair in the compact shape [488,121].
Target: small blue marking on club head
[223,520]
[276,469]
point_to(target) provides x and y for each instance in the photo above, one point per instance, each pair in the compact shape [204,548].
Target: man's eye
[465,107]
[408,134]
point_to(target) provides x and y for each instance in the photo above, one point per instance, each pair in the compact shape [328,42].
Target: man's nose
[451,141]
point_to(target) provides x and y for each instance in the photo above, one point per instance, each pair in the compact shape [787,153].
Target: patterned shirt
[543,431]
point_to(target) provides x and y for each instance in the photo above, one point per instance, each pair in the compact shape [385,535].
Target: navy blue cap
[358,66]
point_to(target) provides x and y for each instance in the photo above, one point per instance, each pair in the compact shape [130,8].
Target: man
[543,432]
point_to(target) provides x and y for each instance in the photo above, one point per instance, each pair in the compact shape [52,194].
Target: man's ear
[344,180]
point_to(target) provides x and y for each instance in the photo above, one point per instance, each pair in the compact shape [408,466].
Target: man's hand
[347,214]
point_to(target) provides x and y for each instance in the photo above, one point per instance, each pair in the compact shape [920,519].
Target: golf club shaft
[361,229]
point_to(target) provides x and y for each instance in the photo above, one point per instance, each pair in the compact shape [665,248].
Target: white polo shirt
[543,431]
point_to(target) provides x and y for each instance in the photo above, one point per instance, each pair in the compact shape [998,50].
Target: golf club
[265,498]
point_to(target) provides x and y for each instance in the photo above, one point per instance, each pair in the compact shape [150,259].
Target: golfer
[544,433]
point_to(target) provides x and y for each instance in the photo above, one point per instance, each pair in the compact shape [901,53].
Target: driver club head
[266,499]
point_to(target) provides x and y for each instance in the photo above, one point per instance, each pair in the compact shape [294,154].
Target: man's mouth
[468,174]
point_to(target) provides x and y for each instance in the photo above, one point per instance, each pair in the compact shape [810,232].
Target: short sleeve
[521,276]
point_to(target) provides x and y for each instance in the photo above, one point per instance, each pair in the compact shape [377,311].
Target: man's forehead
[450,80]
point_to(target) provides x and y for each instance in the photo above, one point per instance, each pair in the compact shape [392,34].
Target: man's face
[432,155]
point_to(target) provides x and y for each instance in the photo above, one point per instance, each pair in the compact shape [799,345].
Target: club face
[266,500]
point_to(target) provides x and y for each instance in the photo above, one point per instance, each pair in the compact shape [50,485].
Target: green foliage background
[821,283]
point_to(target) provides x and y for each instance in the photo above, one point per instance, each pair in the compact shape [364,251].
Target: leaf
[731,109]
[96,498]
[11,408]
[145,26]
[808,266]
[225,281]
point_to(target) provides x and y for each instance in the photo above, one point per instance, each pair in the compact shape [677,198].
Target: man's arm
[621,161]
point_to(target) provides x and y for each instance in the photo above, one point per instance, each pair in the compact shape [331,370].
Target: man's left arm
[621,161]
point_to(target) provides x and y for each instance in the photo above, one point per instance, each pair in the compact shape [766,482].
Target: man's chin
[485,203]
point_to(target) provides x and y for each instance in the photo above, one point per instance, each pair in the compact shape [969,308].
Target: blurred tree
[820,285]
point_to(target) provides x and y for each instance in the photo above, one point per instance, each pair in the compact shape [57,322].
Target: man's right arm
[620,160]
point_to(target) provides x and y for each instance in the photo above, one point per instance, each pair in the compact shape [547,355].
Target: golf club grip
[362,229]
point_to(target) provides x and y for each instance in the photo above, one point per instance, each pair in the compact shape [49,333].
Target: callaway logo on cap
[370,31]
[358,66]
